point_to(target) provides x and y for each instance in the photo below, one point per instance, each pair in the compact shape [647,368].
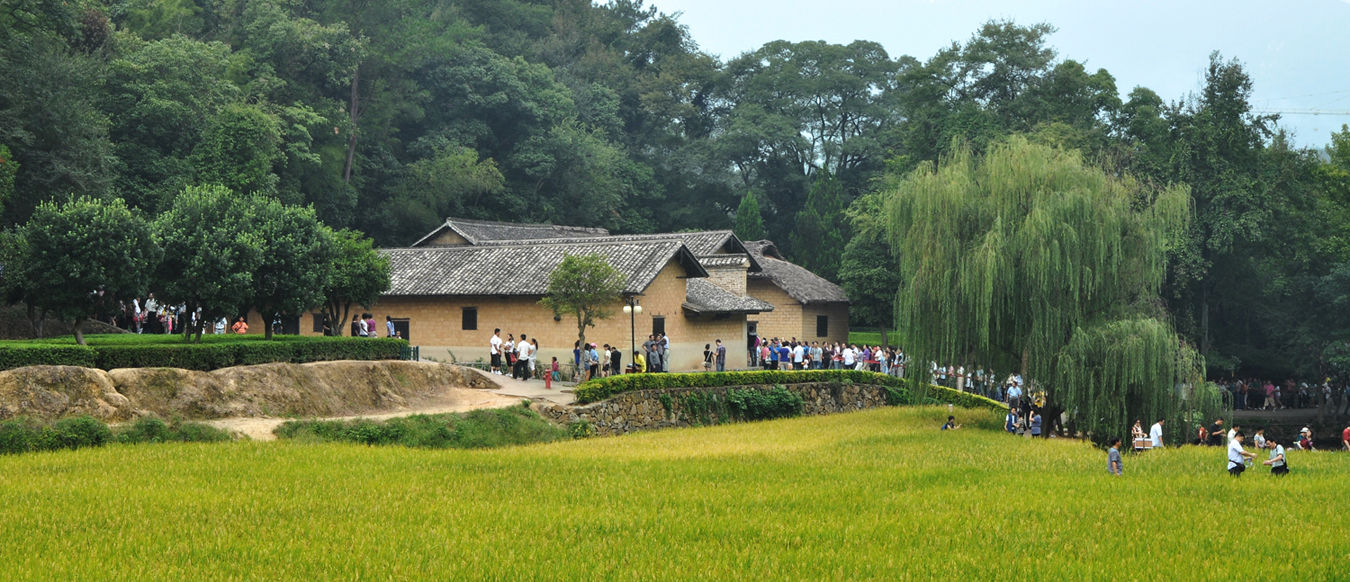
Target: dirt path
[452,400]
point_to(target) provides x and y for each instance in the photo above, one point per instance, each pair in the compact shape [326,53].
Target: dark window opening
[822,325]
[318,322]
[401,327]
[658,325]
[470,319]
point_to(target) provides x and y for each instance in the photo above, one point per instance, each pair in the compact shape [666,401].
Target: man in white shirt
[522,359]
[848,357]
[1155,434]
[1237,457]
[798,353]
[495,350]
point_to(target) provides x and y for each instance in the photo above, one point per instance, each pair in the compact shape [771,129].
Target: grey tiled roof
[482,231]
[797,282]
[523,269]
[702,296]
[731,260]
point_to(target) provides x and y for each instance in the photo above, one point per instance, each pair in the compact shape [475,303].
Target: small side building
[806,306]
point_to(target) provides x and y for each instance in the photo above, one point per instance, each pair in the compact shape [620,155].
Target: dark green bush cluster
[22,435]
[203,357]
[472,430]
[751,404]
[154,430]
[898,392]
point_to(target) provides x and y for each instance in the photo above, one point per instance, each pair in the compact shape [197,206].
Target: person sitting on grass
[1278,465]
[1113,462]
[1237,457]
[951,424]
[1345,434]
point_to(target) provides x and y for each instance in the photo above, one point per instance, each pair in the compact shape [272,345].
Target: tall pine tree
[821,231]
[749,221]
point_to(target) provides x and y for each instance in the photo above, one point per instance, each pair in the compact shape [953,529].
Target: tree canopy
[1027,259]
[585,287]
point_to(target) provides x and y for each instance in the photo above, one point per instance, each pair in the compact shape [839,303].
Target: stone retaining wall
[647,409]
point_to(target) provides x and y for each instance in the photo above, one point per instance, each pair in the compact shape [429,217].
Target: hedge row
[898,391]
[202,357]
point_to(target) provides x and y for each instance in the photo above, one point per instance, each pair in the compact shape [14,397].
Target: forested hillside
[388,116]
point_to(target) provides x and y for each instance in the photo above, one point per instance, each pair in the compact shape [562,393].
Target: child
[553,372]
[951,424]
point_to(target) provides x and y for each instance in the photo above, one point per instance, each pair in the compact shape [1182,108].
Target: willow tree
[1027,259]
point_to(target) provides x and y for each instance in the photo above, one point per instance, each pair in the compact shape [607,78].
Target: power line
[1300,112]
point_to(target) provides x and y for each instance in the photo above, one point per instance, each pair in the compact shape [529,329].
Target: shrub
[154,430]
[516,425]
[897,390]
[23,435]
[110,352]
[751,404]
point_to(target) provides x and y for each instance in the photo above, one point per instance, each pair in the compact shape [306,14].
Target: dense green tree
[749,221]
[85,256]
[8,169]
[50,121]
[1025,258]
[211,250]
[586,287]
[868,271]
[161,98]
[358,274]
[238,149]
[822,229]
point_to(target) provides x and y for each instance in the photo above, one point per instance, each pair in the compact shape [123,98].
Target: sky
[1296,51]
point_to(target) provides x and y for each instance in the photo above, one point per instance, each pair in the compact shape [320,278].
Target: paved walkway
[532,389]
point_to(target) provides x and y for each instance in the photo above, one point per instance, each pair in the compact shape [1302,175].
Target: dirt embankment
[319,389]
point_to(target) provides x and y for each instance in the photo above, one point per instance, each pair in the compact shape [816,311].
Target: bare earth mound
[318,389]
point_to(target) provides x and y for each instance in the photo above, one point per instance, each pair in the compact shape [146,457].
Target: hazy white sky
[1297,51]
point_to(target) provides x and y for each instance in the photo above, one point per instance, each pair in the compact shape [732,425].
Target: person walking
[1277,463]
[1155,433]
[534,355]
[1113,462]
[389,325]
[1237,456]
[721,357]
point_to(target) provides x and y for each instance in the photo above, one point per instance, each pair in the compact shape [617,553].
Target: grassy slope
[872,495]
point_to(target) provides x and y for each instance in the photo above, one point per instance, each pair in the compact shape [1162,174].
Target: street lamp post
[632,308]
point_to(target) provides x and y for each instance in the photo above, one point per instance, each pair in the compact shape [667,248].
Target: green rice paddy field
[875,495]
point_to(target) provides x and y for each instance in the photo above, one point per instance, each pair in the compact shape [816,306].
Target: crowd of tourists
[791,354]
[1254,394]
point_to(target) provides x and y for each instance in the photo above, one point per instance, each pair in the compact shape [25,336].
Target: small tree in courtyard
[584,287]
[294,269]
[357,274]
[211,251]
[85,256]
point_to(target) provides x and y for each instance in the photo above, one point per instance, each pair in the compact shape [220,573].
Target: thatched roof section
[799,283]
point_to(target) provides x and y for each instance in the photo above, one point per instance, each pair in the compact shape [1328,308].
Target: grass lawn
[878,495]
[871,338]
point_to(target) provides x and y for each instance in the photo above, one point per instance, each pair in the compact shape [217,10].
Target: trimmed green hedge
[897,391]
[34,355]
[202,357]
